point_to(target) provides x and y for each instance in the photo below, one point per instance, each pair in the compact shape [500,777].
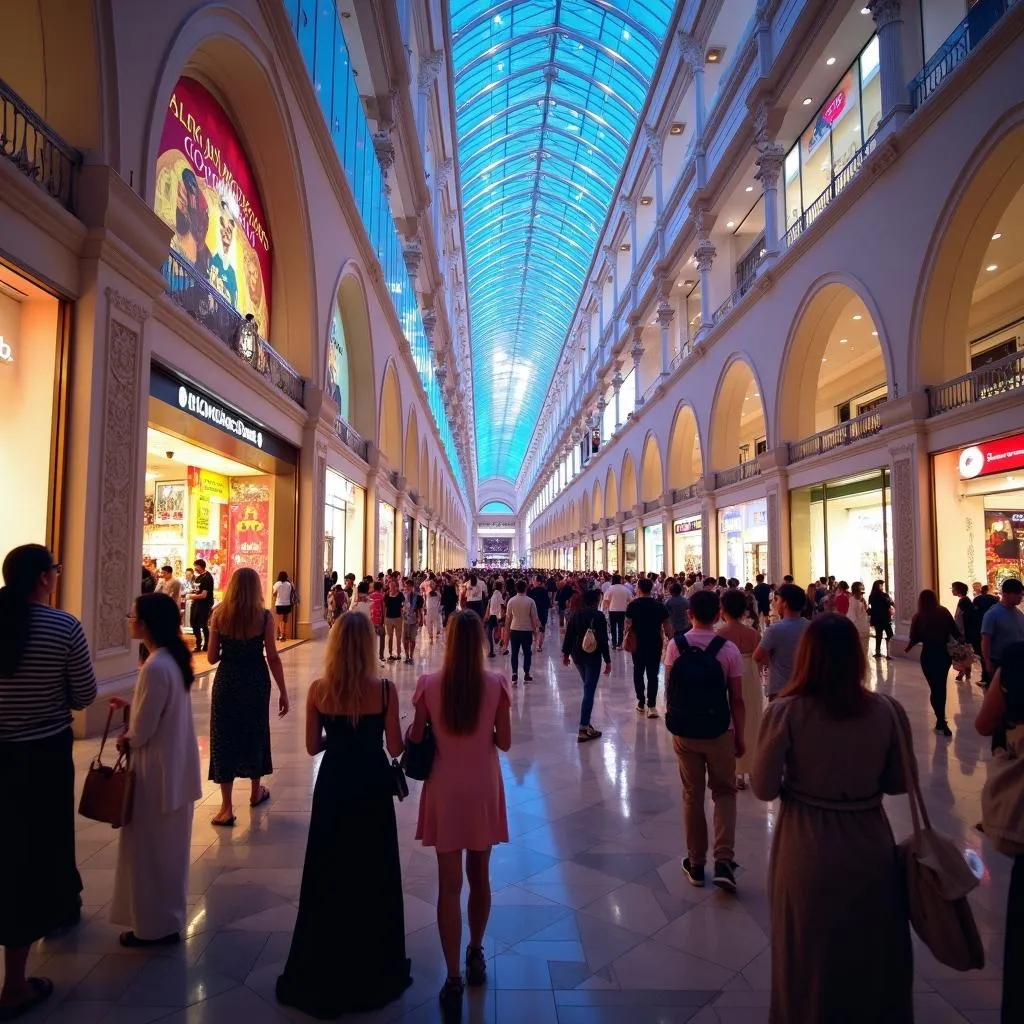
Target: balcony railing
[351,438]
[36,149]
[838,183]
[839,436]
[961,41]
[734,300]
[688,493]
[190,291]
[989,381]
[742,471]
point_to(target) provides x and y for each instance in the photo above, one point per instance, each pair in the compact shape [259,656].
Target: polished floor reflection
[592,919]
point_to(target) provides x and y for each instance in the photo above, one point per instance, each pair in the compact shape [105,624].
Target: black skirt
[40,887]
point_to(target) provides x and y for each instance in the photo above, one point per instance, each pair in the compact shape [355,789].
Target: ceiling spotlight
[730,223]
[749,188]
[857,316]
[991,267]
[997,236]
[808,101]
[646,200]
[677,128]
[830,61]
[843,341]
[624,247]
[714,55]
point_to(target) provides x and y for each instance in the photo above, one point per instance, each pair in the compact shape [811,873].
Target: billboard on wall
[206,191]
[336,384]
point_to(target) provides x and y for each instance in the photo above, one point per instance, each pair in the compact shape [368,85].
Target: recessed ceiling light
[997,236]
[991,267]
[857,316]
[714,55]
[843,341]
[730,223]
[830,61]
[677,128]
[808,101]
[624,247]
[823,359]
[749,188]
[864,10]
[646,200]
[874,334]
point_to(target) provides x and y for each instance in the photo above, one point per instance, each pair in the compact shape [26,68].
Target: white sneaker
[652,712]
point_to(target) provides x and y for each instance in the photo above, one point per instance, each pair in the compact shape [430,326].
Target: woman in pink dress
[462,805]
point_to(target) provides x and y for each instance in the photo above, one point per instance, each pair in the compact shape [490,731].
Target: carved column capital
[430,68]
[627,207]
[653,141]
[885,12]
[444,173]
[771,157]
[691,51]
[385,151]
[705,254]
[666,314]
[413,255]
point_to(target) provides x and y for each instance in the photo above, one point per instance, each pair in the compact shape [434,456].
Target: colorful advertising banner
[249,525]
[208,484]
[999,456]
[206,191]
[336,385]
[842,101]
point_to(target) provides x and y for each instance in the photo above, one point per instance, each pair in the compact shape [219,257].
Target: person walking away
[678,609]
[377,616]
[880,609]
[968,621]
[202,605]
[933,628]
[495,613]
[285,598]
[242,645]
[1002,625]
[523,626]
[586,644]
[352,716]
[829,749]
[154,848]
[746,638]
[394,602]
[616,600]
[476,595]
[763,600]
[1002,715]
[858,613]
[45,674]
[563,597]
[705,714]
[777,650]
[539,593]
[648,620]
[841,598]
[462,803]
[449,600]
[433,612]
[412,620]
[983,599]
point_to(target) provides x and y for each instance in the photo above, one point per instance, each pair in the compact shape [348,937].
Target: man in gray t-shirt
[777,649]
[678,609]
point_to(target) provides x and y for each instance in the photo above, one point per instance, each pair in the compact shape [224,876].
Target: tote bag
[109,789]
[1002,798]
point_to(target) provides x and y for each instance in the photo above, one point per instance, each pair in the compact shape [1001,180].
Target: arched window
[337,378]
[500,507]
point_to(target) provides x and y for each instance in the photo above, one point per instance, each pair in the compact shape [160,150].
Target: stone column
[602,404]
[612,256]
[616,385]
[896,105]
[692,54]
[910,501]
[656,150]
[665,316]
[666,534]
[627,207]
[705,256]
[636,353]
[769,167]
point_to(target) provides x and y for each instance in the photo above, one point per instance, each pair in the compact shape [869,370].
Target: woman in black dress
[933,628]
[241,630]
[880,606]
[348,949]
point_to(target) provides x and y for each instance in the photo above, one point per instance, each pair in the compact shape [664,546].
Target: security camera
[169,455]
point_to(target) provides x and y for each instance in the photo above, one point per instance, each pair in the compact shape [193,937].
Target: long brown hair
[349,665]
[831,667]
[462,675]
[241,613]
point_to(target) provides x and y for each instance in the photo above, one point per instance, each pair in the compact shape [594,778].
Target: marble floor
[592,920]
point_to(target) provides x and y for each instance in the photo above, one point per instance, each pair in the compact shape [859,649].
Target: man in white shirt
[615,602]
[523,625]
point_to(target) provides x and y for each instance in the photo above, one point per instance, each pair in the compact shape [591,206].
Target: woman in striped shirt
[45,674]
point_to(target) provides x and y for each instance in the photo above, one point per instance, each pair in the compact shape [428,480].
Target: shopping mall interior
[726,287]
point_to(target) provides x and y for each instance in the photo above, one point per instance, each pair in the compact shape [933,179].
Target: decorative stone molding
[636,352]
[128,306]
[444,173]
[769,163]
[885,12]
[691,51]
[430,68]
[429,318]
[904,528]
[654,143]
[627,207]
[705,254]
[413,255]
[450,221]
[666,314]
[384,148]
[703,219]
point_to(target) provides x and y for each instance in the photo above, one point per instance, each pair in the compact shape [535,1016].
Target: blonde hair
[350,663]
[241,613]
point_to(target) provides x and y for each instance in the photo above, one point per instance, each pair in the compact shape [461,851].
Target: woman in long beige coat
[829,749]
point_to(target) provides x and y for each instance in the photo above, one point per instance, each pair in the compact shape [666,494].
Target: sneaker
[527,678]
[515,679]
[639,708]
[694,873]
[587,732]
[652,712]
[724,878]
[476,967]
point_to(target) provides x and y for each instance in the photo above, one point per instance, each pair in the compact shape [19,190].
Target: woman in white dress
[433,611]
[857,613]
[151,881]
[746,638]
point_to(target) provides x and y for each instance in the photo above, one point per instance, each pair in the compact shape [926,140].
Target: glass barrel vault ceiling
[547,95]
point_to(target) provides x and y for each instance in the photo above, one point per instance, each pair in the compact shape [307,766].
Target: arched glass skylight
[497,506]
[547,94]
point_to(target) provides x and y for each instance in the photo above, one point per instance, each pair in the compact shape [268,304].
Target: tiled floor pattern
[592,921]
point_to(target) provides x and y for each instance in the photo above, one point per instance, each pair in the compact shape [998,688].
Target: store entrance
[755,560]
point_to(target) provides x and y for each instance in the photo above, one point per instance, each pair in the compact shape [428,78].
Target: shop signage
[184,395]
[732,519]
[999,456]
[687,525]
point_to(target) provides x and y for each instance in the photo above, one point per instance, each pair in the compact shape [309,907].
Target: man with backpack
[586,643]
[705,714]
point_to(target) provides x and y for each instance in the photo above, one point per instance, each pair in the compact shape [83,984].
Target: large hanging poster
[250,524]
[206,191]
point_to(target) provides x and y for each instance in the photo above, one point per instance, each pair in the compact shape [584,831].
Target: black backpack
[697,697]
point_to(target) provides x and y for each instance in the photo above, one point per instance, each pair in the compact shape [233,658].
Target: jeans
[1013,953]
[618,627]
[589,668]
[879,630]
[646,660]
[492,626]
[521,640]
[935,662]
[715,759]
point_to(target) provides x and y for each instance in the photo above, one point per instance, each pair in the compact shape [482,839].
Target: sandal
[223,822]
[476,966]
[261,797]
[42,989]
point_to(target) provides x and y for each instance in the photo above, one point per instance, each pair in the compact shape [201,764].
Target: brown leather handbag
[109,789]
[629,641]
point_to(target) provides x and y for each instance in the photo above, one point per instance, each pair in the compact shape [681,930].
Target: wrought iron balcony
[839,436]
[734,474]
[989,381]
[688,493]
[36,149]
[351,438]
[190,291]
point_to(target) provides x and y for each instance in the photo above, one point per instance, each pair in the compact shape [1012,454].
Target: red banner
[999,456]
[250,525]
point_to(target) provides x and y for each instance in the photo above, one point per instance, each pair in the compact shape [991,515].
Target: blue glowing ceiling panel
[547,95]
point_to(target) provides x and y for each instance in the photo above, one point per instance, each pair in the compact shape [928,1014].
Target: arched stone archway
[956,281]
[611,494]
[737,416]
[389,430]
[627,484]
[652,481]
[835,365]
[355,321]
[411,461]
[685,459]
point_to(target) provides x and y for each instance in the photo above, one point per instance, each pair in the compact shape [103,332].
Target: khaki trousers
[715,761]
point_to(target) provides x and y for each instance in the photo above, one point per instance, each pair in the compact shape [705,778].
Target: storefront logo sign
[688,525]
[199,406]
[6,352]
[999,456]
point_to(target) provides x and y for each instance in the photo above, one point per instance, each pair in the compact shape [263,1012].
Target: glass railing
[36,149]
[190,291]
[317,28]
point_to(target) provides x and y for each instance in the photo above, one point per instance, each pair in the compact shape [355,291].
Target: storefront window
[598,555]
[627,396]
[343,526]
[612,549]
[842,528]
[407,527]
[629,552]
[870,89]
[654,548]
[743,541]
[422,550]
[794,204]
[688,545]
[385,536]
[979,513]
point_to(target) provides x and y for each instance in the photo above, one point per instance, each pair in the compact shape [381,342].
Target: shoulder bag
[418,758]
[629,641]
[109,789]
[399,783]
[1003,796]
[937,878]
